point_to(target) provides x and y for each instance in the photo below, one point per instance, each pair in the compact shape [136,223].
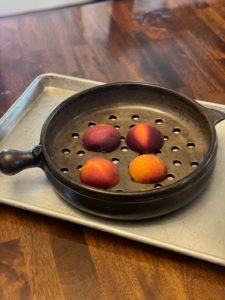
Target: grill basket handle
[14,161]
[214,115]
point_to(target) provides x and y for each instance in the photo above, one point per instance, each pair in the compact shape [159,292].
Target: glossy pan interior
[189,151]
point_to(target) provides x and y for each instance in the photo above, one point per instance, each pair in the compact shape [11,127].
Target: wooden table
[178,44]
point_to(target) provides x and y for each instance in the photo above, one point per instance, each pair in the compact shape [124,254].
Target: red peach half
[100,173]
[101,138]
[144,138]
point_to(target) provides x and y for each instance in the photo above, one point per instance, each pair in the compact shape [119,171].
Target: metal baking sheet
[197,230]
[14,7]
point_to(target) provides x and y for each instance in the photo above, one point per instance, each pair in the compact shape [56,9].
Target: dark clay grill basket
[189,150]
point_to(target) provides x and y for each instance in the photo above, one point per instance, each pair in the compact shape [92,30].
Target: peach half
[144,138]
[100,173]
[147,168]
[101,138]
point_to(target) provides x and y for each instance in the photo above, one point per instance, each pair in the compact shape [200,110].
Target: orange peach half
[100,173]
[101,138]
[144,138]
[147,168]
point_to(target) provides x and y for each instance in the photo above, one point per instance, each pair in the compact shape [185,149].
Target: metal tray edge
[18,109]
[9,120]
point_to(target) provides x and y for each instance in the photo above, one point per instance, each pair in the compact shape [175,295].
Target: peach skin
[100,173]
[144,138]
[147,168]
[101,138]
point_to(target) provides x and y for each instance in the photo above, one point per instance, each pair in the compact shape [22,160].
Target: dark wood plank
[178,44]
[75,267]
[14,278]
[144,272]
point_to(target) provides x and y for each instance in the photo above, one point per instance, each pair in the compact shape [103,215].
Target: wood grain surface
[178,44]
